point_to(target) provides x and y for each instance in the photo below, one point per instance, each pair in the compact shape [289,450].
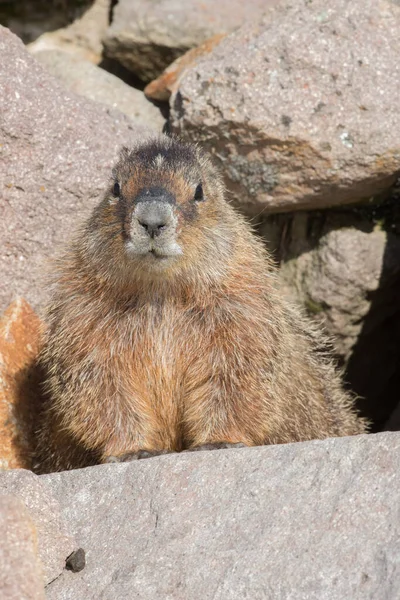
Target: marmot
[167,331]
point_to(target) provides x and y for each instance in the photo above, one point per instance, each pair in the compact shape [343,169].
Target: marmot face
[164,196]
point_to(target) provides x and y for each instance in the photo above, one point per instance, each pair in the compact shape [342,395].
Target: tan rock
[82,37]
[21,572]
[86,79]
[162,87]
[19,383]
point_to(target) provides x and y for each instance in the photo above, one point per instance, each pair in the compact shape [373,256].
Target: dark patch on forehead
[175,155]
[171,150]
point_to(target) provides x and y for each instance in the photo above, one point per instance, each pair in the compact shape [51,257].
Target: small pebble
[76,561]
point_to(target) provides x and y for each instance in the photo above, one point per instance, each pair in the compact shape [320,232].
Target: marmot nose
[153,217]
[153,226]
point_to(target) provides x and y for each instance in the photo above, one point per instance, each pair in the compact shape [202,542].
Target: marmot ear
[199,195]
[114,197]
[116,190]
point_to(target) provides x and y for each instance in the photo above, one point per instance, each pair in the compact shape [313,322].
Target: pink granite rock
[301,108]
[56,152]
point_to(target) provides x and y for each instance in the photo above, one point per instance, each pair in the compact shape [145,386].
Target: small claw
[216,446]
[111,459]
[150,453]
[129,456]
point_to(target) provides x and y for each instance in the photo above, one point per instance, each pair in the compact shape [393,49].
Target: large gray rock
[20,572]
[302,108]
[56,153]
[86,79]
[54,544]
[147,36]
[309,520]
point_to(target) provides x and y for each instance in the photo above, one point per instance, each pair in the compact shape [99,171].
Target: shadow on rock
[344,267]
[373,370]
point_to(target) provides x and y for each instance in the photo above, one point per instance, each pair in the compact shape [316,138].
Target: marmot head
[163,208]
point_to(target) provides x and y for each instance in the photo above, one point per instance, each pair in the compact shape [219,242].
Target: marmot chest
[161,341]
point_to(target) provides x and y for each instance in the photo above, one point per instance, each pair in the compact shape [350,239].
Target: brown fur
[198,350]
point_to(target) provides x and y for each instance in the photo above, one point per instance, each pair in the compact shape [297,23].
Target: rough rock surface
[83,36]
[86,79]
[162,87]
[344,268]
[54,543]
[147,36]
[19,346]
[20,572]
[56,153]
[309,520]
[301,107]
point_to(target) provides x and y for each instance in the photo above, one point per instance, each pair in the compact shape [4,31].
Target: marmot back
[167,331]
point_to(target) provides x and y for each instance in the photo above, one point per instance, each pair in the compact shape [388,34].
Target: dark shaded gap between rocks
[373,369]
[30,19]
[116,68]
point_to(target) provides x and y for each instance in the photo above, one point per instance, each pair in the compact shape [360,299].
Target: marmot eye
[116,189]
[198,195]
